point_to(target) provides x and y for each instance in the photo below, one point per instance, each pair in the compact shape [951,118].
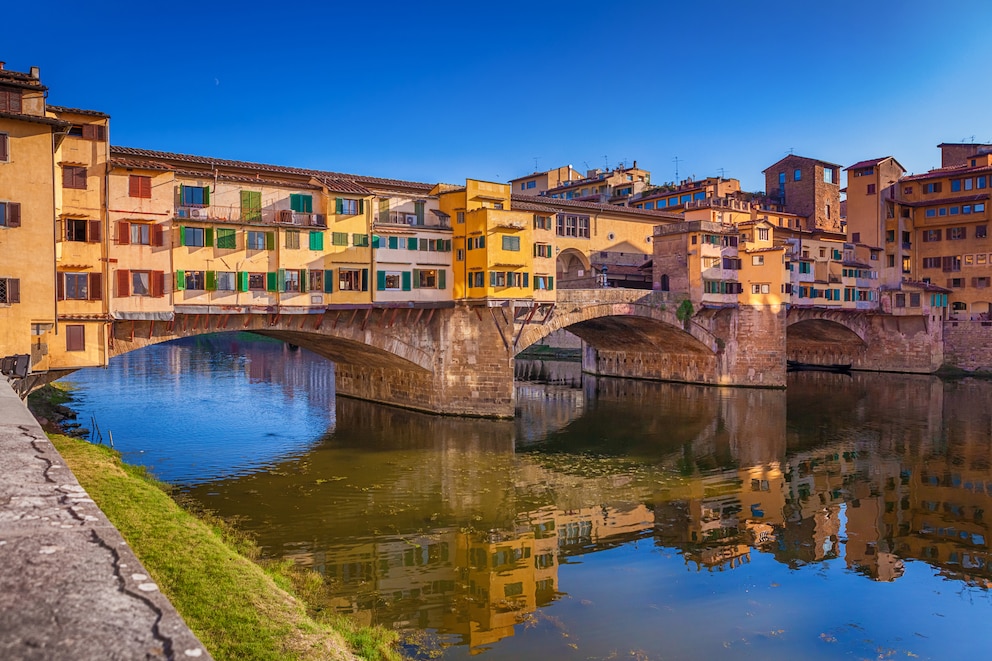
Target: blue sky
[444,91]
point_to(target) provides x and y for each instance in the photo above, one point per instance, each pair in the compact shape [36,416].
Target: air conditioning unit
[411,219]
[182,213]
[199,214]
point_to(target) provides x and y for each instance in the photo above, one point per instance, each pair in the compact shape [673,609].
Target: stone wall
[968,345]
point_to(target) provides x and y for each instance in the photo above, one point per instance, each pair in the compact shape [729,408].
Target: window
[256,241]
[900,300]
[193,236]
[980,207]
[193,280]
[969,184]
[955,185]
[426,279]
[931,213]
[956,283]
[292,280]
[251,206]
[140,234]
[301,203]
[10,100]
[781,179]
[352,279]
[10,214]
[828,175]
[871,189]
[80,229]
[224,281]
[544,282]
[981,231]
[339,238]
[75,286]
[542,250]
[951,263]
[907,190]
[316,280]
[931,262]
[531,184]
[357,240]
[256,282]
[542,222]
[497,278]
[956,233]
[88,131]
[762,233]
[954,211]
[577,226]
[293,239]
[194,196]
[460,217]
[139,186]
[460,255]
[914,300]
[511,243]
[934,187]
[10,291]
[227,239]
[392,280]
[931,235]
[140,283]
[890,261]
[965,208]
[760,289]
[74,176]
[75,337]
[347,207]
[797,175]
[757,260]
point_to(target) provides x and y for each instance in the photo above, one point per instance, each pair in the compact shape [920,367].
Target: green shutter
[329,281]
[423,245]
[365,279]
[338,206]
[242,280]
[361,206]
[316,240]
[492,278]
[393,242]
[281,282]
[526,279]
[440,278]
[411,243]
[406,280]
[271,281]
[380,280]
[208,237]
[181,202]
[182,234]
[383,210]
[447,245]
[375,241]
[481,242]
[206,195]
[270,240]
[360,240]
[251,205]
[551,282]
[419,210]
[180,280]
[211,280]
[416,278]
[304,280]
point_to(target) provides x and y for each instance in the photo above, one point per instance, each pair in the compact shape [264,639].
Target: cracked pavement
[70,586]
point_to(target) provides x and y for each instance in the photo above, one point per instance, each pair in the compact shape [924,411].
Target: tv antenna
[535,163]
[676,159]
[721,171]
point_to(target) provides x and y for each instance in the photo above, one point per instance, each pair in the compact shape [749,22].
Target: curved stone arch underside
[571,255]
[827,327]
[625,327]
[399,347]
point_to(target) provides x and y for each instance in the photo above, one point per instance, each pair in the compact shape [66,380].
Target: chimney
[1,65]
[35,73]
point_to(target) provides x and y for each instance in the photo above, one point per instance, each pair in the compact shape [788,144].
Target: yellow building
[27,226]
[537,183]
[675,198]
[81,239]
[871,214]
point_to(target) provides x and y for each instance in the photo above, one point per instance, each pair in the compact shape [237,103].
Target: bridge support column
[472,375]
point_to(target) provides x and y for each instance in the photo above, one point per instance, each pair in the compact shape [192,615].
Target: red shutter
[123,233]
[134,186]
[146,187]
[4,147]
[123,282]
[60,286]
[157,284]
[94,235]
[156,237]
[89,132]
[96,286]
[14,290]
[13,214]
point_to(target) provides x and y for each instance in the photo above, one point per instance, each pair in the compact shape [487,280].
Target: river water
[843,517]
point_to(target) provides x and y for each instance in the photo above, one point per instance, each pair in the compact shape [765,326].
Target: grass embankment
[238,608]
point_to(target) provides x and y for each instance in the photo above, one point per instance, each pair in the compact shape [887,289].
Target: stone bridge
[865,340]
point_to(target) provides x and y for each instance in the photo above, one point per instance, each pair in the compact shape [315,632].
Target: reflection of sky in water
[243,413]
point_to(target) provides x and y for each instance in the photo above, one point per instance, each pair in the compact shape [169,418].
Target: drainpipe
[372,249]
[105,294]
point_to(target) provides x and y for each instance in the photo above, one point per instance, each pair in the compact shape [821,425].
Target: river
[842,517]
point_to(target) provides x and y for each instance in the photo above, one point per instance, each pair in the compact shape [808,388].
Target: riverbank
[238,606]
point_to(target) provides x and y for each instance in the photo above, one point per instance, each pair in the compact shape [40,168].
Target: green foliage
[684,312]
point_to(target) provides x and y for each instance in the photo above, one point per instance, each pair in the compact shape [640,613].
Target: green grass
[238,608]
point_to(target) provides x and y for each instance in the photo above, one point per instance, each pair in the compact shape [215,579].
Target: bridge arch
[827,326]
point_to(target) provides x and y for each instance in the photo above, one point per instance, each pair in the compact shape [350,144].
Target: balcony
[434,219]
[231,214]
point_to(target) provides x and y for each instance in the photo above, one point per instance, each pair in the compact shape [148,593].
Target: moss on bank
[238,608]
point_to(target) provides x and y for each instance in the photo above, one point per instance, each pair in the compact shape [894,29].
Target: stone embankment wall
[968,345]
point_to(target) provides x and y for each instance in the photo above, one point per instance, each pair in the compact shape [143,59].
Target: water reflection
[465,526]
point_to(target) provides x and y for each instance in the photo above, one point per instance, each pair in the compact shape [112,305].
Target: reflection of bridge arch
[347,338]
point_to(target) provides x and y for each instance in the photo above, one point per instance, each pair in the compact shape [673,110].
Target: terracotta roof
[136,164]
[765,249]
[18,79]
[34,119]
[872,162]
[282,169]
[925,286]
[78,111]
[948,171]
[800,158]
[978,197]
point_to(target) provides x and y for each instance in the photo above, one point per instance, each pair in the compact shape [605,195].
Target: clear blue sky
[445,91]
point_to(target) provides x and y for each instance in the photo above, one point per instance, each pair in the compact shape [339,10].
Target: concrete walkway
[70,587]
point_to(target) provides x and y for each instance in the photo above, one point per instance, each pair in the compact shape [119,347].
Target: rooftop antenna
[792,150]
[535,163]
[721,171]
[676,159]
[606,164]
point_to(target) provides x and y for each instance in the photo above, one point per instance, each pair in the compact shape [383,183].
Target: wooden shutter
[211,280]
[182,235]
[4,147]
[94,233]
[208,237]
[416,278]
[75,337]
[303,280]
[180,280]
[338,205]
[526,279]
[156,284]
[157,235]
[13,290]
[316,240]
[123,283]
[281,282]
[380,280]
[242,280]
[329,281]
[361,206]
[13,214]
[60,286]
[133,186]
[418,208]
[440,278]
[411,243]
[406,280]
[270,240]
[272,281]
[96,286]
[551,282]
[365,279]
[123,233]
